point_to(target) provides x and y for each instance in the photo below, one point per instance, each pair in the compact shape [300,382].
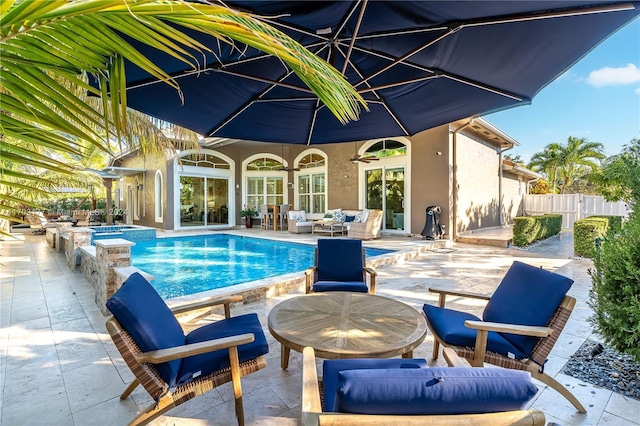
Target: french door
[385,190]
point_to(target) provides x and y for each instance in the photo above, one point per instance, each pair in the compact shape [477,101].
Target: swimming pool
[188,265]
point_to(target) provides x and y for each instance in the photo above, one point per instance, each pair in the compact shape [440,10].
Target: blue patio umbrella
[419,64]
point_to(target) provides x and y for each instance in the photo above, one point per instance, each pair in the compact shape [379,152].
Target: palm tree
[577,155]
[548,161]
[565,162]
[49,50]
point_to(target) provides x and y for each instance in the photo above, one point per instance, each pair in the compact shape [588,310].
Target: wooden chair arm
[169,354]
[308,275]
[372,279]
[484,328]
[311,407]
[443,293]
[525,330]
[453,360]
[226,301]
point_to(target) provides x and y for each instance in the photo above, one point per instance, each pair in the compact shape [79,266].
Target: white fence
[573,206]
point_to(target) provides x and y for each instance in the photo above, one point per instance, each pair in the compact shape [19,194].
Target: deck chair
[520,323]
[37,222]
[174,368]
[340,265]
[404,391]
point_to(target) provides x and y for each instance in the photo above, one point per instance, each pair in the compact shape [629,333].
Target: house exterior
[458,166]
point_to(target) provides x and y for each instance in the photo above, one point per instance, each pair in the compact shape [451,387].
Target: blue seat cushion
[207,363]
[358,286]
[331,368]
[448,324]
[340,260]
[527,295]
[146,317]
[433,391]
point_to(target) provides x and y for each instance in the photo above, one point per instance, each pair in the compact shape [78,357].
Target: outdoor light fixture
[139,187]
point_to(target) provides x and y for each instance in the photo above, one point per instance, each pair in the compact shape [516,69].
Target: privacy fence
[573,206]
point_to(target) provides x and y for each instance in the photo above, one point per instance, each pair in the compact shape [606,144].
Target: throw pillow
[365,215]
[338,216]
[349,218]
[299,219]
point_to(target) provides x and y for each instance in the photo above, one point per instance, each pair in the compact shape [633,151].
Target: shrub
[528,229]
[585,232]
[615,294]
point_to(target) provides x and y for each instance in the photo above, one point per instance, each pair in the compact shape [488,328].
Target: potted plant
[247,214]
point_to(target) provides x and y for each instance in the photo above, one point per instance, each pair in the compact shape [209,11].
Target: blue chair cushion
[207,363]
[340,286]
[433,391]
[340,260]
[331,368]
[448,324]
[146,317]
[527,295]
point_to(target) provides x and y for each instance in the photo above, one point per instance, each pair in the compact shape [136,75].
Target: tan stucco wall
[478,185]
[430,176]
[513,190]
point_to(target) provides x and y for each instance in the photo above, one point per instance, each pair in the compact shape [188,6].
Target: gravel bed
[603,366]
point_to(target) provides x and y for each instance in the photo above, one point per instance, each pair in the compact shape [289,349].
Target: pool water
[188,265]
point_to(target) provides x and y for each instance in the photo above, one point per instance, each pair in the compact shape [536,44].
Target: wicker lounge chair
[521,324]
[37,222]
[340,265]
[175,369]
[461,403]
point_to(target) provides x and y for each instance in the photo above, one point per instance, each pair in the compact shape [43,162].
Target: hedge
[528,229]
[587,230]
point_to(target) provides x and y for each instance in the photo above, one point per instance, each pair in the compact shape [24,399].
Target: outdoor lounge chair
[172,367]
[37,222]
[340,265]
[520,324]
[404,391]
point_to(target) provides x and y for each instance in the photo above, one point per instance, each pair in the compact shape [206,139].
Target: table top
[347,325]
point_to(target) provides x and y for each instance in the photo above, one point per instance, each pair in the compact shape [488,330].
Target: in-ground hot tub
[128,232]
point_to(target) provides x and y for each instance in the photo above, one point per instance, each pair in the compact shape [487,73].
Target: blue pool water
[187,265]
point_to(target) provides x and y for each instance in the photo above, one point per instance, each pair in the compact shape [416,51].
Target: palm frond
[49,48]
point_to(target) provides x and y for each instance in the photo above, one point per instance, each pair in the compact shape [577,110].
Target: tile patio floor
[59,367]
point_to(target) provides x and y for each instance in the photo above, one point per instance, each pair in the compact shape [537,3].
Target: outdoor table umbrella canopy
[418,64]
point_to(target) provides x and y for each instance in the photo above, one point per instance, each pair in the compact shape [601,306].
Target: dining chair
[283,215]
[266,217]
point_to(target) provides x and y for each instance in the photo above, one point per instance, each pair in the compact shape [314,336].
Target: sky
[597,99]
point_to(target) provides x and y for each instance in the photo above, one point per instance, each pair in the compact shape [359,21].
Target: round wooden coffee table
[346,325]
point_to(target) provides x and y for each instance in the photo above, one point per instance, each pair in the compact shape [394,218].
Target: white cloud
[637,91]
[614,76]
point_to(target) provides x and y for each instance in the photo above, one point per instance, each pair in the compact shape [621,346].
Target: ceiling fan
[359,158]
[286,169]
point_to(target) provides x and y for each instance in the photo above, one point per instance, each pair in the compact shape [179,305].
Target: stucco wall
[478,185]
[513,190]
[430,176]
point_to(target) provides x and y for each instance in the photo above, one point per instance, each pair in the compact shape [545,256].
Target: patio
[59,367]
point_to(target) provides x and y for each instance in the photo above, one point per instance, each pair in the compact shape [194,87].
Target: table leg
[408,355]
[284,356]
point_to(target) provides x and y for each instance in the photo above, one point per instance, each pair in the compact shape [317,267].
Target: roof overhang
[510,166]
[483,131]
[119,172]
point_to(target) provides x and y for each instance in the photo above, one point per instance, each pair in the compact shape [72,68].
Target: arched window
[158,196]
[386,148]
[311,182]
[264,181]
